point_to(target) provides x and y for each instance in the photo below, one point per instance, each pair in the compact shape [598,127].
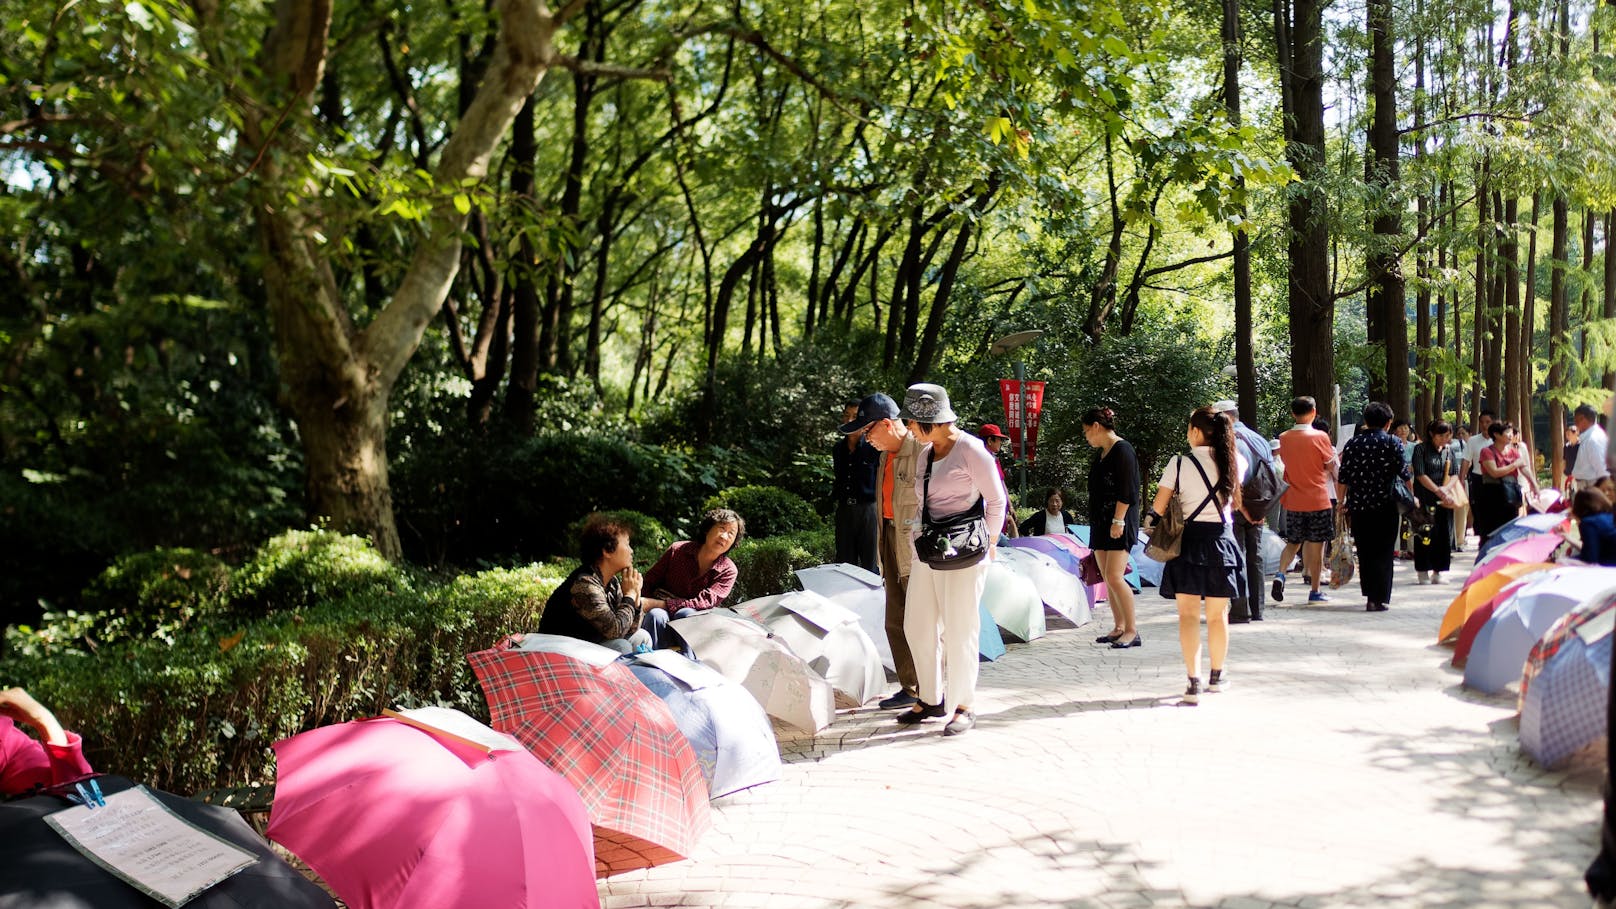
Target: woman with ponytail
[1210,568]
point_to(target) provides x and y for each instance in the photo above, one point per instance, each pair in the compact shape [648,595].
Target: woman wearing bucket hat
[941,616]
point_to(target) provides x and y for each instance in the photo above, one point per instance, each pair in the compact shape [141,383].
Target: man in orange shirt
[1310,463]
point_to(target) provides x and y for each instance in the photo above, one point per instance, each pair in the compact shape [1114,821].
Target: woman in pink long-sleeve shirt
[961,474]
[26,762]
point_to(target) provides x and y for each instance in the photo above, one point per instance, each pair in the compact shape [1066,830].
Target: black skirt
[1209,564]
[1100,528]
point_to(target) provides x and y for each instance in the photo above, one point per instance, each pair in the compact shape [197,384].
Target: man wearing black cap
[898,510]
[854,463]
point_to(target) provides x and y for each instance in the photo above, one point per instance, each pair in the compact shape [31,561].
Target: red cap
[991,431]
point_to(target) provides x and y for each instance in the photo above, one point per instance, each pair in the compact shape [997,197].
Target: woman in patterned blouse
[1370,463]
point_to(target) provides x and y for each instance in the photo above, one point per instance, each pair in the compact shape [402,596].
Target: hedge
[768,566]
[768,511]
[201,713]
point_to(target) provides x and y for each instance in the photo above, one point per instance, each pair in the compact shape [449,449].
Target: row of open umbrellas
[599,763]
[1527,613]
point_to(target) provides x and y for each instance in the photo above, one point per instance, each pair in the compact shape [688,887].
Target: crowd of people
[924,503]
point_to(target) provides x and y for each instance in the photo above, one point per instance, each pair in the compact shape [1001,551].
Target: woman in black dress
[1113,520]
[1434,463]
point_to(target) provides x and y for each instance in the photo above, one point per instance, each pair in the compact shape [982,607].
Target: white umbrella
[861,592]
[1013,602]
[576,648]
[1058,588]
[828,636]
[745,651]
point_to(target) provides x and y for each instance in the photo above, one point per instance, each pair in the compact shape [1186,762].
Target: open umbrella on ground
[1063,553]
[1482,615]
[828,636]
[1080,532]
[860,592]
[1150,570]
[729,732]
[1272,546]
[1504,642]
[613,740]
[1079,550]
[1060,590]
[989,642]
[41,870]
[1476,594]
[1566,683]
[1524,526]
[745,651]
[1535,548]
[391,815]
[1012,599]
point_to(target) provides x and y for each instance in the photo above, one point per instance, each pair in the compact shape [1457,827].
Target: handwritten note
[142,841]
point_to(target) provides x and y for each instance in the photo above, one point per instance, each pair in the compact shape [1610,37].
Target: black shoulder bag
[954,541]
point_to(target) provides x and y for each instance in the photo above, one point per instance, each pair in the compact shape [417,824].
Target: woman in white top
[1210,567]
[942,618]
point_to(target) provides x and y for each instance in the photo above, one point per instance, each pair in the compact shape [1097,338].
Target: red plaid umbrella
[614,741]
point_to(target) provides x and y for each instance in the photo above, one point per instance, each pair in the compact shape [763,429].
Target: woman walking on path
[941,617]
[1504,480]
[1371,463]
[1113,520]
[1434,463]
[1210,567]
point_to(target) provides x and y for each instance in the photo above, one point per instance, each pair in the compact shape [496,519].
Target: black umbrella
[39,869]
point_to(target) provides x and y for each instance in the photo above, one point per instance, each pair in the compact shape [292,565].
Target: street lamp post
[1005,345]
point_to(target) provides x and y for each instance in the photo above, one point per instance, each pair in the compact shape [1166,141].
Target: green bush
[158,594]
[766,567]
[202,713]
[767,510]
[303,567]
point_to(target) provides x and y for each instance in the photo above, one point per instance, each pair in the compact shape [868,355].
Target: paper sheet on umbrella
[154,850]
[818,611]
[447,723]
[684,670]
[1599,626]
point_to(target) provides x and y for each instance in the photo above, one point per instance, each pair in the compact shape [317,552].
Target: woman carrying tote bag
[958,485]
[1210,568]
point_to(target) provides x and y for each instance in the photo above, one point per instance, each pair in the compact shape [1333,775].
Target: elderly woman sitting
[26,762]
[694,576]
[600,601]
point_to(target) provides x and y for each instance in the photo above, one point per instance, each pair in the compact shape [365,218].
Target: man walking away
[1248,525]
[1472,468]
[1310,462]
[855,462]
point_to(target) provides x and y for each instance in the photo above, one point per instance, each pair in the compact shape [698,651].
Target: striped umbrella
[613,740]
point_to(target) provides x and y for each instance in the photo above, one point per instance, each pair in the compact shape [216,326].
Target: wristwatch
[1118,522]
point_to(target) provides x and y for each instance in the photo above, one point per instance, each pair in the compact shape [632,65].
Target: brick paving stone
[1345,766]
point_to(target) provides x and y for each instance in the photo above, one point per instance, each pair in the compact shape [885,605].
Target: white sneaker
[1425,577]
[1436,578]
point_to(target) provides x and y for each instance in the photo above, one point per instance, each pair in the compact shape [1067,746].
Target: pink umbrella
[392,816]
[1535,548]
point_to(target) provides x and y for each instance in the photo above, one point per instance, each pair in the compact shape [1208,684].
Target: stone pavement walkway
[1344,767]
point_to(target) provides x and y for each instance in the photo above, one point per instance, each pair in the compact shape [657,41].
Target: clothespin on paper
[90,798]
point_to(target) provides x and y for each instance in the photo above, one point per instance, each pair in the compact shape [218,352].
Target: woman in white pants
[942,612]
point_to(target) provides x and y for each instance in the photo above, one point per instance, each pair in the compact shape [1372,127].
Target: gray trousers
[1249,536]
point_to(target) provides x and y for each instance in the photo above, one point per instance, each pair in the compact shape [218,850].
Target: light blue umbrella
[1529,525]
[1564,707]
[990,644]
[1012,599]
[1081,532]
[1061,590]
[726,726]
[1150,570]
[1505,641]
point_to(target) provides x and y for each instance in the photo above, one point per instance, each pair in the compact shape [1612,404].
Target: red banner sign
[1010,392]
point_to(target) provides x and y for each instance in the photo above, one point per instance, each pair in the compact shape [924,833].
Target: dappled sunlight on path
[1343,767]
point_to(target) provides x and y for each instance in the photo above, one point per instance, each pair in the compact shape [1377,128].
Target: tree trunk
[1515,409]
[1610,286]
[1495,314]
[338,379]
[1439,386]
[1478,313]
[1558,265]
[525,341]
[1387,289]
[1529,325]
[1312,308]
[1104,296]
[1245,362]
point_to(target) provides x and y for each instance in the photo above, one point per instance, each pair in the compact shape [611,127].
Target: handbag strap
[925,492]
[1211,494]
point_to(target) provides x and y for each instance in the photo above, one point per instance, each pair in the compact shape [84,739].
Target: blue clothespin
[84,797]
[95,788]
